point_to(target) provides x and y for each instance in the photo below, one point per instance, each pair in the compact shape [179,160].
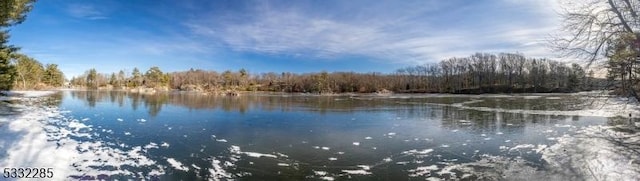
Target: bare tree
[592,26]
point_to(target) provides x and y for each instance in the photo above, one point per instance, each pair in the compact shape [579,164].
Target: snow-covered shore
[596,104]
[597,153]
[28,93]
[14,95]
[41,136]
[593,153]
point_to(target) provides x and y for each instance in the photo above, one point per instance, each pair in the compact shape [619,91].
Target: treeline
[478,73]
[23,72]
[490,73]
[153,78]
[31,74]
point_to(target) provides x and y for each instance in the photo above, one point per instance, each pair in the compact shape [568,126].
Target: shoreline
[26,93]
[601,103]
[244,92]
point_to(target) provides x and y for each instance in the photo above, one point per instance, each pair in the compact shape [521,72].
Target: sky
[279,36]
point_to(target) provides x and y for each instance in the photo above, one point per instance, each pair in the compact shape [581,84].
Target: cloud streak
[85,11]
[422,33]
[278,35]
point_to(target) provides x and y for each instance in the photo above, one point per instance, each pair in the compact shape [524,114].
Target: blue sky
[263,36]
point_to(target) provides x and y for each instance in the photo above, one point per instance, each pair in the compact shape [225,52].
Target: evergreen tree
[136,80]
[576,77]
[92,76]
[121,78]
[622,54]
[7,71]
[29,71]
[113,80]
[154,77]
[53,76]
[12,12]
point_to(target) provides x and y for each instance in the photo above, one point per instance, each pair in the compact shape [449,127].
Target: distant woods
[152,78]
[490,73]
[478,73]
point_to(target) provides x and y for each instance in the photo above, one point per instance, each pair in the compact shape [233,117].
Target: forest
[31,74]
[478,73]
[18,71]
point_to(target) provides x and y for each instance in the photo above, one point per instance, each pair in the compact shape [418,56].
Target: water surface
[188,136]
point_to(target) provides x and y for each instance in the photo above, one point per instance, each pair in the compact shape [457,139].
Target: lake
[188,136]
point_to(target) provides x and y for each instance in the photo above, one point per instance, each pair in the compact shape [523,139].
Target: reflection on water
[283,102]
[186,136]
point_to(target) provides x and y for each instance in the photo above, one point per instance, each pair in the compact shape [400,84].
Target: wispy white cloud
[85,11]
[202,33]
[417,33]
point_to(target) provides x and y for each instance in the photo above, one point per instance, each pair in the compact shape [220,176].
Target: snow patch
[217,172]
[364,167]
[258,155]
[416,152]
[177,165]
[356,172]
[320,173]
[388,159]
[47,130]
[522,146]
[236,150]
[165,144]
[151,146]
[29,94]
[603,106]
[598,152]
[327,178]
[421,171]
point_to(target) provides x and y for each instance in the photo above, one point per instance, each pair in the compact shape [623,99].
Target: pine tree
[154,77]
[622,56]
[12,12]
[7,71]
[113,80]
[92,76]
[53,76]
[137,78]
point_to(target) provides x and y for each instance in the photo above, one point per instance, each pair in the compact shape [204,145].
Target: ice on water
[176,164]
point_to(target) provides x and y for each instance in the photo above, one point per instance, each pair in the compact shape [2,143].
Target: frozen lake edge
[594,147]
